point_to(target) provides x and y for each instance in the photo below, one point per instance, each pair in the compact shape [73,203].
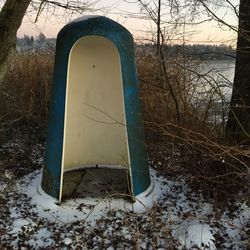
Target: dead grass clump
[24,101]
[25,93]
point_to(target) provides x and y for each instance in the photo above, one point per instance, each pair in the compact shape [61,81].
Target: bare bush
[193,144]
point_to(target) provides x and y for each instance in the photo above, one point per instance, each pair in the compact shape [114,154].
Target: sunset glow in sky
[124,13]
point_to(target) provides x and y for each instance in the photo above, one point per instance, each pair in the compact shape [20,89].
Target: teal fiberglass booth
[95,117]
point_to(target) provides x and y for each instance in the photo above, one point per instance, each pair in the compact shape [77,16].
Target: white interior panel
[95,131]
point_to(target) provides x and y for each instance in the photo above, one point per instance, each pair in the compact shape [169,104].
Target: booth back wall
[95,128]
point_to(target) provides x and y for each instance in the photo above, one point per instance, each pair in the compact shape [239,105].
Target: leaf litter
[180,219]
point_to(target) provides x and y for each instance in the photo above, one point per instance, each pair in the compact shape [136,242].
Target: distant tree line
[195,51]
[40,43]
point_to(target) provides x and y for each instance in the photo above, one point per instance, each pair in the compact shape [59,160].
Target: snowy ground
[179,220]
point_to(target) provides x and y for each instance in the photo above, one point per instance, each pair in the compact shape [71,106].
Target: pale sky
[124,12]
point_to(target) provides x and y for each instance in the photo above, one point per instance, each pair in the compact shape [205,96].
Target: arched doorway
[95,125]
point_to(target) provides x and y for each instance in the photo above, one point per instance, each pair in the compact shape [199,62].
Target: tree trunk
[238,125]
[11,17]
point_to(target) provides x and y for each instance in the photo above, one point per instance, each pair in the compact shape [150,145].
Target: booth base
[98,200]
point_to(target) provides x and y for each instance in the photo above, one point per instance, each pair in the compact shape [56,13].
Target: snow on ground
[179,220]
[88,209]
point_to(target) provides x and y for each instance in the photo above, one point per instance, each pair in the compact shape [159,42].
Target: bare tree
[11,16]
[238,125]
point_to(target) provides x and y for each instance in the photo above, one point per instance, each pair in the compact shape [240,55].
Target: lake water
[215,87]
[220,76]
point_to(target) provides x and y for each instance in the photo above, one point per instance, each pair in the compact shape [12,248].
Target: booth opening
[96,182]
[95,158]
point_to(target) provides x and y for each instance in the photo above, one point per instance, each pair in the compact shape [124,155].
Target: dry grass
[26,92]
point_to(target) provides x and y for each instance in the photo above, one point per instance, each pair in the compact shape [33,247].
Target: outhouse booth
[95,142]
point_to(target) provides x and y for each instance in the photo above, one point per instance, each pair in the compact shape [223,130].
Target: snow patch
[195,234]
